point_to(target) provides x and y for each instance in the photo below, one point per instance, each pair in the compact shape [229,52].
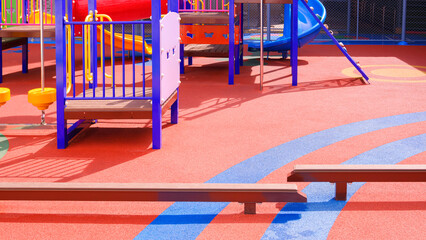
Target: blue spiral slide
[308,29]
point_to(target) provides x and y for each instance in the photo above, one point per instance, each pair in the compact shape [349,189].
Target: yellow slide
[118,38]
[128,41]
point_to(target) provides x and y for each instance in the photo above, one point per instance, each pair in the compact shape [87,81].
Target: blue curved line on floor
[4,145]
[316,217]
[187,220]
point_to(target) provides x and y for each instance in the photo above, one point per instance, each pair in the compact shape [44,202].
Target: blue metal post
[156,75]
[231,43]
[25,46]
[268,23]
[94,43]
[242,34]
[189,61]
[404,23]
[182,59]
[348,21]
[62,138]
[1,48]
[357,19]
[175,109]
[1,57]
[237,59]
[294,40]
[173,6]
[25,56]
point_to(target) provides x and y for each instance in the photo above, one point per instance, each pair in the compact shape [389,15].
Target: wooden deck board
[114,109]
[27,31]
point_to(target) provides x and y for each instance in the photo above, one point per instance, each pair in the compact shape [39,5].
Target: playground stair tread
[249,194]
[207,50]
[27,31]
[116,108]
[204,18]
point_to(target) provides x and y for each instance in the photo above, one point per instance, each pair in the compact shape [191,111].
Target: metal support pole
[41,44]
[94,45]
[294,40]
[156,75]
[62,136]
[357,19]
[261,45]
[268,22]
[43,115]
[348,23]
[404,23]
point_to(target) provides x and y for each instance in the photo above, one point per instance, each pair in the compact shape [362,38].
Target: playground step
[27,31]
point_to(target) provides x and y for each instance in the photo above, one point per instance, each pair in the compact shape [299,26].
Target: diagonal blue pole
[336,42]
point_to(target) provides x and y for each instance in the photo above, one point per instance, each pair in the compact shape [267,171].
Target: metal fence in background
[355,20]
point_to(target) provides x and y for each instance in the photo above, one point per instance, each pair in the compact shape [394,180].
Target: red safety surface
[220,126]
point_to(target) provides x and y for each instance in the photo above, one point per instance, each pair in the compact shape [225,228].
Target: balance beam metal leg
[175,110]
[341,191]
[182,59]
[249,208]
[25,57]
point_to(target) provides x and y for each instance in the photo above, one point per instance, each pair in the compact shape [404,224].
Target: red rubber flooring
[220,126]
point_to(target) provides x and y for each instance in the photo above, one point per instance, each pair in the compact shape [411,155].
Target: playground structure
[127,97]
[211,29]
[96,83]
[204,27]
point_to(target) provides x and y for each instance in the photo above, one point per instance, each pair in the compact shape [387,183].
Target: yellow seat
[42,99]
[4,95]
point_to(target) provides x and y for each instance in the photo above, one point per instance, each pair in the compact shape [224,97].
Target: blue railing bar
[113,60]
[72,60]
[109,98]
[133,58]
[94,61]
[84,67]
[107,23]
[122,61]
[103,60]
[336,42]
[143,58]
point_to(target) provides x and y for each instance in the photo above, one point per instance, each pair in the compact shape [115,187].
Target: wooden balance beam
[249,194]
[343,174]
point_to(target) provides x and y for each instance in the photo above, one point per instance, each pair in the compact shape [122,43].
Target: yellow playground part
[34,18]
[42,99]
[4,95]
